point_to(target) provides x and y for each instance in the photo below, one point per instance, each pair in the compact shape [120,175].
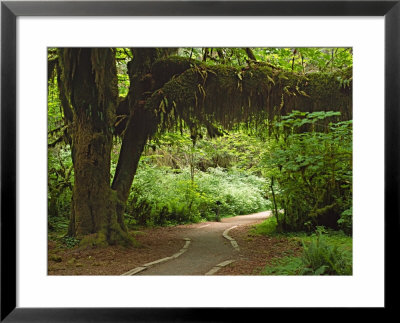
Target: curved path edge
[233,241]
[136,270]
[218,267]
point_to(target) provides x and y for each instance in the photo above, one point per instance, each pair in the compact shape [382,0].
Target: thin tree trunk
[250,54]
[142,123]
[140,127]
[274,202]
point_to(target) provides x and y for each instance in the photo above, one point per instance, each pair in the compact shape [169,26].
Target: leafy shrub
[346,220]
[57,224]
[267,227]
[238,192]
[161,195]
[60,179]
[70,242]
[320,258]
[233,150]
[311,171]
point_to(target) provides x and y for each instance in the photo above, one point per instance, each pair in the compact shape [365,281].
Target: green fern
[320,258]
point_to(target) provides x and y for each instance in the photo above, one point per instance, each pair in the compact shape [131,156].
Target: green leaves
[312,161]
[162,196]
[322,258]
[179,182]
[300,60]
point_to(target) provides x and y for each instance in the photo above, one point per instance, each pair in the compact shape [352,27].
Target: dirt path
[206,248]
[210,245]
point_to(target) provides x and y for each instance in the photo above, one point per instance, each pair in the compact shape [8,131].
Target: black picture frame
[10,10]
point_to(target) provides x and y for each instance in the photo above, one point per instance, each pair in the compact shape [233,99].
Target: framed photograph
[366,34]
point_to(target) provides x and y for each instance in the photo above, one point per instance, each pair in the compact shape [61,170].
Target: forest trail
[207,247]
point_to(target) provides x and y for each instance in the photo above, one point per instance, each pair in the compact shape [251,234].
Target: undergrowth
[322,256]
[325,252]
[162,196]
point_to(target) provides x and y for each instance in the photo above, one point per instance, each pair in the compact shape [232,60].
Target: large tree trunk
[91,194]
[89,77]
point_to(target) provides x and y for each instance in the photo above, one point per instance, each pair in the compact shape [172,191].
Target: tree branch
[54,143]
[230,95]
[250,54]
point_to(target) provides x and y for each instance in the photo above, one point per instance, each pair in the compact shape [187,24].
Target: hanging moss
[232,95]
[105,77]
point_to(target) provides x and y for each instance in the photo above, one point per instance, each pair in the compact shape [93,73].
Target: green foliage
[346,220]
[311,163]
[267,227]
[307,59]
[60,179]
[236,149]
[285,266]
[54,111]
[123,56]
[60,169]
[57,223]
[186,178]
[159,197]
[321,258]
[304,59]
[238,192]
[70,242]
[325,252]
[164,196]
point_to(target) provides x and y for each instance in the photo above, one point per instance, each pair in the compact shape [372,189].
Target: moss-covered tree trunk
[92,203]
[89,79]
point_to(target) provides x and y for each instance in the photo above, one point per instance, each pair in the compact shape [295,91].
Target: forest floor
[208,248]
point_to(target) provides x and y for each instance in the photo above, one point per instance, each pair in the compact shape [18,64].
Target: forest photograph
[200,161]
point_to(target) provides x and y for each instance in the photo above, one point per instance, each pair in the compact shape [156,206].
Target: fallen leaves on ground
[257,251]
[153,244]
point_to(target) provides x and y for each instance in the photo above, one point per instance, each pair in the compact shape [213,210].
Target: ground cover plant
[324,252]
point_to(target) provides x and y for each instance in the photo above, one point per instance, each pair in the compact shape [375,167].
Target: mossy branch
[231,95]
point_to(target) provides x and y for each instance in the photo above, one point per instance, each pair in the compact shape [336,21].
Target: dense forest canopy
[269,126]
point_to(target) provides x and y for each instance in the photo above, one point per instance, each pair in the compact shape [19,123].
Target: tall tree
[89,80]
